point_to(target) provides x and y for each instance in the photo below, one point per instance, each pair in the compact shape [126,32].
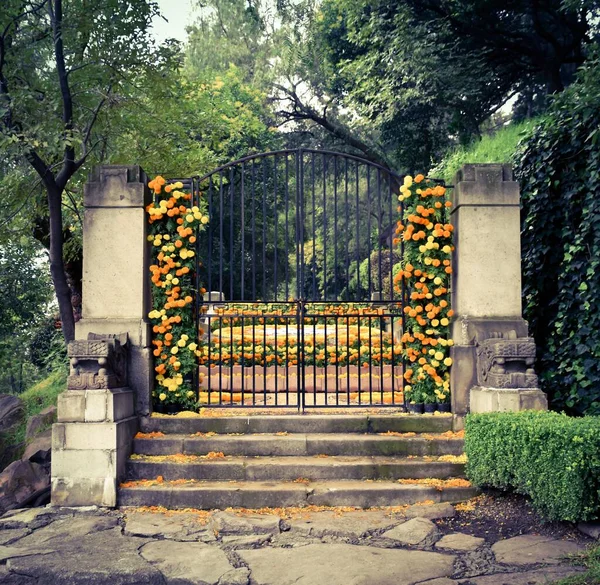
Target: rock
[591,529]
[39,450]
[12,411]
[179,527]
[187,562]
[239,576]
[530,549]
[19,481]
[69,529]
[12,535]
[340,564]
[103,558]
[225,523]
[459,541]
[431,512]
[542,576]
[418,531]
[39,421]
[353,525]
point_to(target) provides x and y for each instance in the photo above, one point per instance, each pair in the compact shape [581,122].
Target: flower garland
[174,228]
[426,272]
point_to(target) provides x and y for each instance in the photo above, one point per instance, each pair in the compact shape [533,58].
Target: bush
[552,458]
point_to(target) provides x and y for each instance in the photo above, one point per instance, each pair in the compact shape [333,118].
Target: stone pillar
[486,296]
[111,367]
[116,259]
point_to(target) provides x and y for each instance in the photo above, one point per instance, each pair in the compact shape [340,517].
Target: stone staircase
[361,460]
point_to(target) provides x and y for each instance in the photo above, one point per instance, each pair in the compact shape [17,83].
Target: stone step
[291,468]
[269,445]
[221,495]
[299,423]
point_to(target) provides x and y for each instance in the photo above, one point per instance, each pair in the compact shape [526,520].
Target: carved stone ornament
[506,361]
[98,362]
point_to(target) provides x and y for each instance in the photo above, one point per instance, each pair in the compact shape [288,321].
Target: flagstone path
[396,546]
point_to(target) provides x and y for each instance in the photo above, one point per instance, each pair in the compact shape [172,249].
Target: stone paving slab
[12,535]
[187,562]
[149,525]
[458,541]
[417,532]
[354,524]
[529,549]
[333,564]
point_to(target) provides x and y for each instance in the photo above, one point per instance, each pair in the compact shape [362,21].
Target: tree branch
[302,111]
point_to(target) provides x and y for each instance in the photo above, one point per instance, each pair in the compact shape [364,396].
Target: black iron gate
[303,306]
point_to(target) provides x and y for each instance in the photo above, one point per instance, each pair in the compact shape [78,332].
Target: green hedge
[553,458]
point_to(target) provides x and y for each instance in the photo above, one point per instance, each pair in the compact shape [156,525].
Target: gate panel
[299,263]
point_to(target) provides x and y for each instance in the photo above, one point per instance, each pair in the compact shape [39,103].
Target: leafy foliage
[550,457]
[499,147]
[25,294]
[426,271]
[559,172]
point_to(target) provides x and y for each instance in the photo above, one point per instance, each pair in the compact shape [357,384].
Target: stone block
[85,436]
[485,184]
[117,186]
[90,491]
[487,261]
[468,330]
[141,378]
[115,272]
[462,376]
[506,399]
[84,463]
[138,330]
[71,406]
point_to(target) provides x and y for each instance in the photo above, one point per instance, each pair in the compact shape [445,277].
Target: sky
[179,14]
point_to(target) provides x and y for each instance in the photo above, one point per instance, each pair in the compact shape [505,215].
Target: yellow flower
[435,322]
[162,396]
[437,280]
[205,219]
[408,181]
[444,321]
[448,361]
[439,355]
[174,350]
[175,281]
[181,343]
[446,249]
[192,346]
[189,218]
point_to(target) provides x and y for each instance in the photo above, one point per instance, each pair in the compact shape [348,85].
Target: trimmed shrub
[552,458]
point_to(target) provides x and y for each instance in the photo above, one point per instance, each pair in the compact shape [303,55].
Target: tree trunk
[57,266]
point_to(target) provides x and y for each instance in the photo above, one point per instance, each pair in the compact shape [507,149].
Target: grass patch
[590,559]
[498,148]
[35,399]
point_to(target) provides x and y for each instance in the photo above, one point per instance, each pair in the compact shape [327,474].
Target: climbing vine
[558,167]
[426,237]
[174,227]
